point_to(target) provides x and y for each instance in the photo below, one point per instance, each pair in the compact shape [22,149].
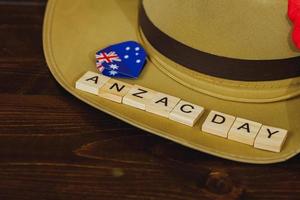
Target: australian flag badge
[123,60]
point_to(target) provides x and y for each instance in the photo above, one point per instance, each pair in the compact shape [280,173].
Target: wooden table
[53,146]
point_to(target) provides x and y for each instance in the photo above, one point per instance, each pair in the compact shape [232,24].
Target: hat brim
[74,30]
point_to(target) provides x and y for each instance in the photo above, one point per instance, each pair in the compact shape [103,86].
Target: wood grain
[52,146]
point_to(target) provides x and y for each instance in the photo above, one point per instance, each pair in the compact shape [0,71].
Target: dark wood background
[52,146]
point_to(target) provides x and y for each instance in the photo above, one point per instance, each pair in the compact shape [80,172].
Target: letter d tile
[218,123]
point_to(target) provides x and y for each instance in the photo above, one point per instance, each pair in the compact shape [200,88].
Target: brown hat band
[218,66]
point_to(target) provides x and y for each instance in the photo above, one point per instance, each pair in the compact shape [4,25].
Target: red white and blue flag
[123,60]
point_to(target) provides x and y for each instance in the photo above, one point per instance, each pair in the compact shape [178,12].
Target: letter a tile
[244,131]
[218,123]
[114,90]
[162,104]
[91,82]
[270,138]
[186,113]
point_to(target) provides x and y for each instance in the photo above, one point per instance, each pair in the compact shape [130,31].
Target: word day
[227,126]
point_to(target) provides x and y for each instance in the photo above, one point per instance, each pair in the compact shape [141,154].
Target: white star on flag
[114,66]
[113,73]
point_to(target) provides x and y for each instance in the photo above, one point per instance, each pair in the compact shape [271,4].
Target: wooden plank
[53,146]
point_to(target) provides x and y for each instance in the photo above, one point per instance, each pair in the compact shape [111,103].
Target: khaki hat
[235,57]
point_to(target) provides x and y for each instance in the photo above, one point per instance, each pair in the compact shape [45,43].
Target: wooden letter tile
[91,82]
[244,131]
[270,138]
[138,97]
[114,90]
[186,113]
[218,123]
[162,104]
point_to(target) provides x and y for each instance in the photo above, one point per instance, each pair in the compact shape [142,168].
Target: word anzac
[227,126]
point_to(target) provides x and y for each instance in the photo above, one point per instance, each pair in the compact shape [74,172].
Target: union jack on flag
[106,57]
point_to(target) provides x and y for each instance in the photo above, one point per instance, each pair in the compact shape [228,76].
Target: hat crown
[248,29]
